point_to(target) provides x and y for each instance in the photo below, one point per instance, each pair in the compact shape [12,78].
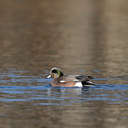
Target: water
[27,100]
[81,37]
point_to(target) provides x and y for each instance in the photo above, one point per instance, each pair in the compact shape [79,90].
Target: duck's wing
[76,78]
[86,80]
[83,77]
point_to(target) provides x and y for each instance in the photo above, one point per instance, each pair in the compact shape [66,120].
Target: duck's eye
[54,71]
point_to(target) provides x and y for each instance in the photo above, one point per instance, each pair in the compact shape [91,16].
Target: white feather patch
[78,84]
[62,81]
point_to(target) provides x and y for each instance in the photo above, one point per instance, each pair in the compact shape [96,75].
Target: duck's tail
[87,83]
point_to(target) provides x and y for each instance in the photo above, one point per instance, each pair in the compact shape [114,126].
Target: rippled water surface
[28,100]
[81,37]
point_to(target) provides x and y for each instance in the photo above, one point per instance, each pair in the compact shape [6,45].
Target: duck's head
[55,73]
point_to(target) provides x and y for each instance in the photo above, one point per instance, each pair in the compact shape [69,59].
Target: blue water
[27,99]
[20,86]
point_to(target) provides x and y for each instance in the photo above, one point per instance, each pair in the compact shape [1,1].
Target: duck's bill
[49,76]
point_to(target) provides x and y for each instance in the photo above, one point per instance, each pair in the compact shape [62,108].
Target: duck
[61,80]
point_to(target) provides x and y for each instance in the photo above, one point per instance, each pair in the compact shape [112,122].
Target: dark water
[81,37]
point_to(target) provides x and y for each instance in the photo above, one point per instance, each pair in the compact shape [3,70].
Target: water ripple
[29,88]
